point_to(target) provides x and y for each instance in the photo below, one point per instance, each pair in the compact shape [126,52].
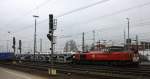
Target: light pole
[128,28]
[83,42]
[35,46]
[128,40]
[94,37]
[40,45]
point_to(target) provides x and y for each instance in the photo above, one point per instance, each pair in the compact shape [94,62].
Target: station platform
[6,73]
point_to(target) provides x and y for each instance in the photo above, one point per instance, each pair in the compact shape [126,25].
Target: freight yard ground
[77,71]
[23,73]
[145,63]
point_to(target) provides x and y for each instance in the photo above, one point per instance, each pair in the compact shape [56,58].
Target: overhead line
[100,17]
[67,13]
[82,8]
[67,36]
[25,14]
[39,6]
[76,10]
[114,13]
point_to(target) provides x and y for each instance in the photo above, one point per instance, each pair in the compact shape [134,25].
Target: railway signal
[51,37]
[14,44]
[50,23]
[20,46]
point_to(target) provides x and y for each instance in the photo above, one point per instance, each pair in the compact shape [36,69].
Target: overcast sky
[107,17]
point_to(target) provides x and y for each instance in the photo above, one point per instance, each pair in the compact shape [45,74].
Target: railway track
[141,72]
[141,68]
[138,71]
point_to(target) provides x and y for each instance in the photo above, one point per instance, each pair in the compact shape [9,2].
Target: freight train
[114,55]
[6,56]
[45,58]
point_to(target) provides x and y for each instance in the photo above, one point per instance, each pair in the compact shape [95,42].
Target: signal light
[50,23]
[13,46]
[14,43]
[50,37]
[20,44]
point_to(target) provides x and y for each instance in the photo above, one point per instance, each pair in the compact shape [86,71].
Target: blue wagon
[6,56]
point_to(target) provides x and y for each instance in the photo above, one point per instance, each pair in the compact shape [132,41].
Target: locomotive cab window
[116,49]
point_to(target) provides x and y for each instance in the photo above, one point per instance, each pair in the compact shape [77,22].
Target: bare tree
[70,46]
[92,47]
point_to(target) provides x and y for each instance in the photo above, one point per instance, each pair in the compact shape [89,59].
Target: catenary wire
[100,17]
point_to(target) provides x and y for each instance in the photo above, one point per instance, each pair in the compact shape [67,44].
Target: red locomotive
[114,55]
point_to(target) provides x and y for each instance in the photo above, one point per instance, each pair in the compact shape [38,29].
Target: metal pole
[143,48]
[51,32]
[128,28]
[20,51]
[20,46]
[99,45]
[40,45]
[35,46]
[94,37]
[35,40]
[52,51]
[83,42]
[124,39]
[50,36]
[128,43]
[137,45]
[14,47]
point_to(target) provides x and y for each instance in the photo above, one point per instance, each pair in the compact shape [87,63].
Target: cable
[76,10]
[25,14]
[124,10]
[82,8]
[38,7]
[98,30]
[114,13]
[100,17]
[67,13]
[68,36]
